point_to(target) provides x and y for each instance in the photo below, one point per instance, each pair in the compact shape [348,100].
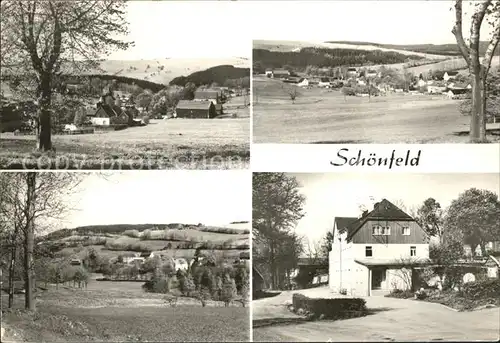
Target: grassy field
[120,311]
[163,144]
[323,116]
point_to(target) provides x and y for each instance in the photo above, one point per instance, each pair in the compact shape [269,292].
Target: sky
[331,195]
[161,197]
[197,29]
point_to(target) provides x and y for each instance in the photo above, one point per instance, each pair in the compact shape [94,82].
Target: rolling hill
[218,74]
[176,240]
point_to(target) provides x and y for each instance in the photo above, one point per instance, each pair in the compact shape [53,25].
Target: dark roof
[325,79]
[206,94]
[383,210]
[351,69]
[281,71]
[344,223]
[108,110]
[459,90]
[189,104]
[452,73]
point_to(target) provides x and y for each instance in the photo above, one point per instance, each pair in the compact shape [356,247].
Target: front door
[378,276]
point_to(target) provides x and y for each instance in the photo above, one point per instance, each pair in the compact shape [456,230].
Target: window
[413,251]
[376,230]
[386,231]
[405,231]
[368,252]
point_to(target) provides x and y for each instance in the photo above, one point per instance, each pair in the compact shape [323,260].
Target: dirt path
[392,320]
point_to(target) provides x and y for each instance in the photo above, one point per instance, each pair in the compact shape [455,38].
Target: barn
[208,94]
[195,109]
[103,115]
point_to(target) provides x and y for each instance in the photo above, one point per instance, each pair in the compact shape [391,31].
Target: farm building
[269,72]
[212,95]
[450,75]
[324,82]
[436,89]
[103,115]
[303,82]
[371,73]
[195,109]
[280,74]
[458,93]
[181,264]
[352,72]
[76,262]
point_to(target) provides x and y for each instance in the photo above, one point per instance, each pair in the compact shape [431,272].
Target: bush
[330,308]
[157,285]
[400,294]
[145,120]
[343,291]
[420,295]
[481,289]
[349,91]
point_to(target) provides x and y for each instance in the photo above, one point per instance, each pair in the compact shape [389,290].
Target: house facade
[195,109]
[376,252]
[280,74]
[449,75]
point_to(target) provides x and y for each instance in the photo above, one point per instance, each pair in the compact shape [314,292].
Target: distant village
[115,109]
[362,81]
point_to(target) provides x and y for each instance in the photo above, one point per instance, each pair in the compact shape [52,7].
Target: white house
[450,75]
[303,82]
[421,83]
[324,82]
[377,251]
[493,265]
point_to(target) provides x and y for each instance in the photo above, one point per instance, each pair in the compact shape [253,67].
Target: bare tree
[489,11]
[292,92]
[42,40]
[33,199]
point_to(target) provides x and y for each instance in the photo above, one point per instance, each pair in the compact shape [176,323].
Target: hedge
[335,308]
[481,289]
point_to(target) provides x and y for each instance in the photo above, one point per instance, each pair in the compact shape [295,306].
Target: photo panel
[144,256]
[126,85]
[337,256]
[381,80]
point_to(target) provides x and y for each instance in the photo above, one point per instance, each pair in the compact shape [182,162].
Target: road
[392,320]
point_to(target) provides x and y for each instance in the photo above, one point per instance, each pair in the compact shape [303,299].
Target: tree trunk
[482,118]
[483,249]
[29,279]
[45,139]
[475,118]
[12,269]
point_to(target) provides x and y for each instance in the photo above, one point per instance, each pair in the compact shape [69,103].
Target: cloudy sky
[208,197]
[331,195]
[197,29]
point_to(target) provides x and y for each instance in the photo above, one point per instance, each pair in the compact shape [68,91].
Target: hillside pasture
[324,116]
[163,144]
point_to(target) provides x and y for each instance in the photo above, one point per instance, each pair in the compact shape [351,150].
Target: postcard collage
[268,171]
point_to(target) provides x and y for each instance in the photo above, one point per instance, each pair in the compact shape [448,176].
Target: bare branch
[458,32]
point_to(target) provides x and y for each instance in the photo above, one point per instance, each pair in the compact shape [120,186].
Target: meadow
[121,311]
[326,116]
[163,144]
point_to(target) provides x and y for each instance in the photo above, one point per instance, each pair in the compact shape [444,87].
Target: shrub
[343,291]
[349,91]
[481,289]
[338,308]
[157,285]
[401,294]
[145,120]
[228,292]
[420,295]
[132,233]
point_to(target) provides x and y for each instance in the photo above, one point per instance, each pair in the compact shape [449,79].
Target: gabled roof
[206,94]
[281,71]
[344,223]
[493,259]
[452,73]
[108,110]
[192,105]
[383,210]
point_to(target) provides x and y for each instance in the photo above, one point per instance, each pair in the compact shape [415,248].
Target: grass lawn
[120,311]
[163,144]
[324,116]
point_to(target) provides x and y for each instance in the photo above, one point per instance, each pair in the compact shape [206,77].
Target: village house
[371,73]
[269,72]
[372,254]
[103,115]
[352,72]
[208,94]
[303,82]
[433,89]
[76,262]
[450,75]
[128,257]
[195,109]
[458,93]
[279,74]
